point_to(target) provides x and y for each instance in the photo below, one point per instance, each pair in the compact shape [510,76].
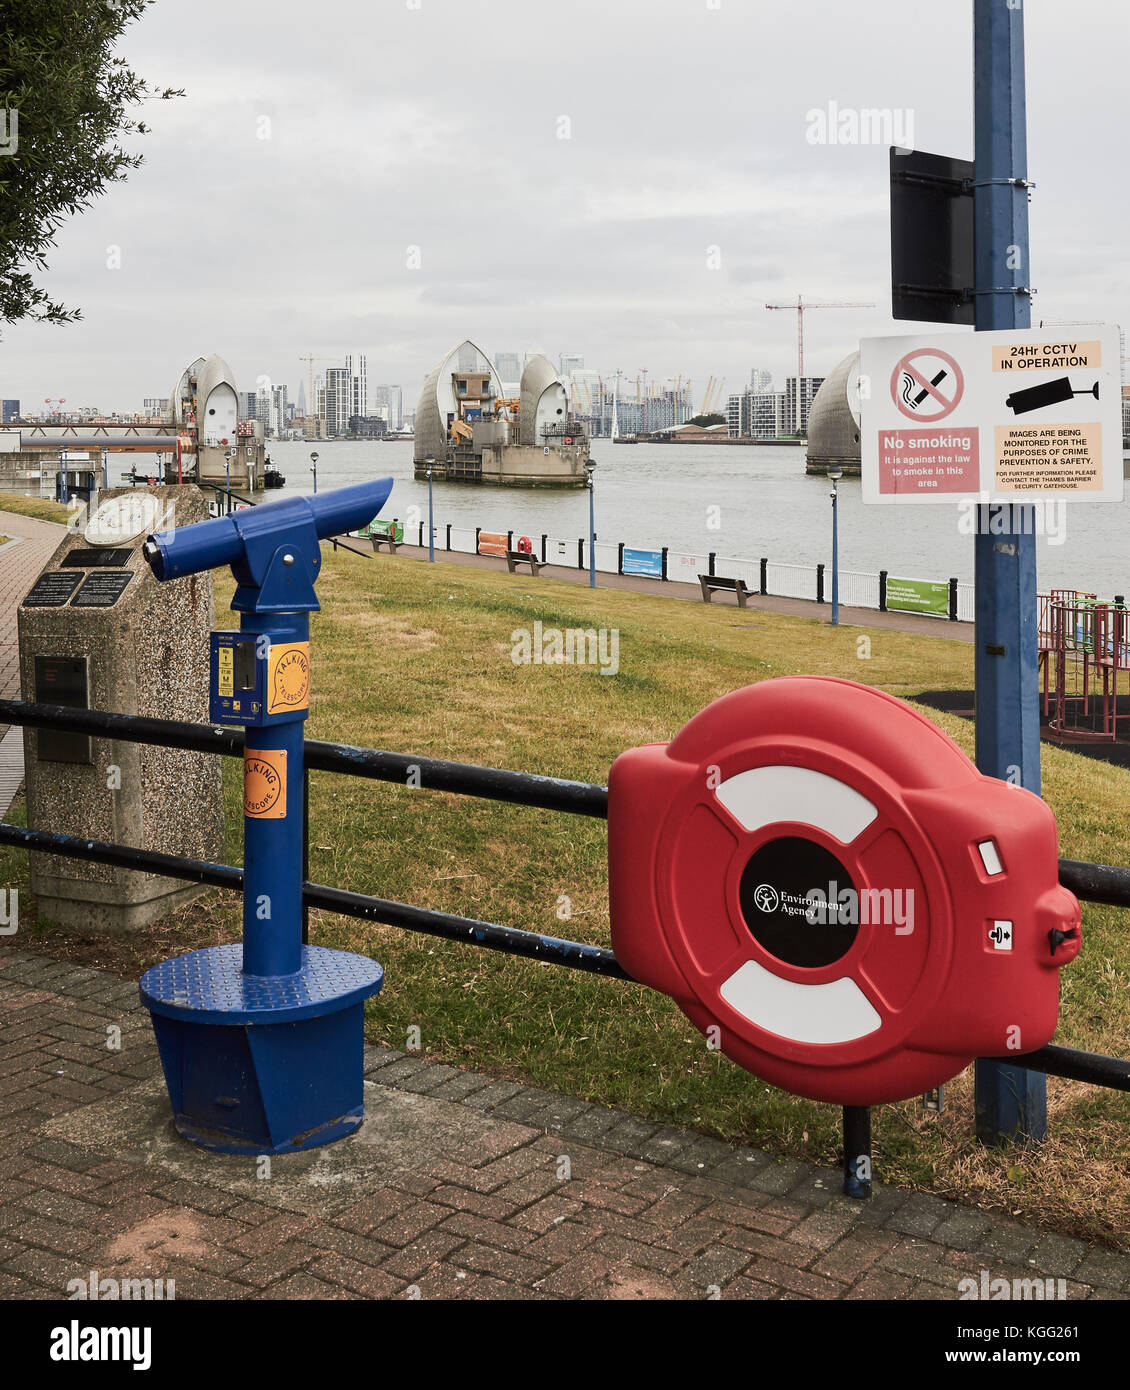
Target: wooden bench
[717,584]
[388,540]
[516,557]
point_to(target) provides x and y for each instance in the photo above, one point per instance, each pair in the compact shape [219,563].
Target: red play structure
[1084,655]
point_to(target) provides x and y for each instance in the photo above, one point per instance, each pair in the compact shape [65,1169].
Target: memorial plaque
[102,589]
[95,558]
[52,590]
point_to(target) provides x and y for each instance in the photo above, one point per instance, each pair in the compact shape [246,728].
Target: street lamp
[430,463]
[227,464]
[590,464]
[314,466]
[835,473]
[64,491]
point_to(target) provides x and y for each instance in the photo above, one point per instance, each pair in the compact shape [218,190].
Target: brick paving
[458,1185]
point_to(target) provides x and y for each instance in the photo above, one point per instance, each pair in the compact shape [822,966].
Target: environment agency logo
[766,898]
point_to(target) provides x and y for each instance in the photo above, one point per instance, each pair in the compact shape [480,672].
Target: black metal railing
[1100,883]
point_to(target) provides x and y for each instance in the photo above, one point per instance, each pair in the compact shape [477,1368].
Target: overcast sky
[392,126]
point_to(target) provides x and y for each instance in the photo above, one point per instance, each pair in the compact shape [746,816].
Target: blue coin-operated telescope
[261,1043]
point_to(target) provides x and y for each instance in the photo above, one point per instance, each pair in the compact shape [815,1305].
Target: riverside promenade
[691,593]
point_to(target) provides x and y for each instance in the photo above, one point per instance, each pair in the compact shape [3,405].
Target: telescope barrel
[224,539]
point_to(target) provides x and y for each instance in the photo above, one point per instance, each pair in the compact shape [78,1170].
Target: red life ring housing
[828,887]
[525,545]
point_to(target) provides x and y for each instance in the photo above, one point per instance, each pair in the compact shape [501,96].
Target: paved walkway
[20,563]
[659,588]
[458,1185]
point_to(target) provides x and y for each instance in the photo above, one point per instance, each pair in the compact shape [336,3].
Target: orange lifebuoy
[525,545]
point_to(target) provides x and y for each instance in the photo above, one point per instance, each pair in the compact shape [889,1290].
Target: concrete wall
[522,465]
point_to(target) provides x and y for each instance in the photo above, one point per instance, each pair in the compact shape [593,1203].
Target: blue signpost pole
[1009,1101]
[835,556]
[590,465]
[431,522]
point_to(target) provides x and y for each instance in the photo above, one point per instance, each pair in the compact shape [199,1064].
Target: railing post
[477,530]
[882,591]
[620,558]
[544,539]
[447,545]
[764,575]
[857,1151]
[710,559]
[953,600]
[580,553]
[664,565]
[510,540]
[820,583]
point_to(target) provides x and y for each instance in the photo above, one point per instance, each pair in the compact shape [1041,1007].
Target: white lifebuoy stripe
[836,1012]
[763,795]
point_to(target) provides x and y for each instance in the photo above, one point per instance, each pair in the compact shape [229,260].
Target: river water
[741,502]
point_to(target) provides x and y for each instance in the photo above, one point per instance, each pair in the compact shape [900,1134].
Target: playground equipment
[261,1044]
[1084,653]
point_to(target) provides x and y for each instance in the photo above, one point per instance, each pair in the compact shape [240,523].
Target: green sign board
[377,527]
[918,596]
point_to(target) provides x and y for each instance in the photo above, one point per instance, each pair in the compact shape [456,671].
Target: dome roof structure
[542,400]
[833,420]
[437,400]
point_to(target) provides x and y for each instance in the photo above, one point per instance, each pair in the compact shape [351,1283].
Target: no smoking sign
[927,385]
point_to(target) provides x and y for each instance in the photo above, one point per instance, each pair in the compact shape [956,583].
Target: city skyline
[290,203]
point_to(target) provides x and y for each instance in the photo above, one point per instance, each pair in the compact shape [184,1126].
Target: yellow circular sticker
[264,783]
[289,678]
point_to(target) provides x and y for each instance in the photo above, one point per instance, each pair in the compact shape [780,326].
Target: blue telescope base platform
[262,1064]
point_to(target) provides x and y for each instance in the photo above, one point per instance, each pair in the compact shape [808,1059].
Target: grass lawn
[42,508]
[417,658]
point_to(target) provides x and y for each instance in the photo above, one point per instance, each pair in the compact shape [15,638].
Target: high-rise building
[338,400]
[799,392]
[757,415]
[301,398]
[388,400]
[279,417]
[508,365]
[11,412]
[760,381]
[570,362]
[358,384]
[246,405]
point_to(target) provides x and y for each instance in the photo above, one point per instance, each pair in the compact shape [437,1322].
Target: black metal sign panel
[931,237]
[62,680]
[101,558]
[52,590]
[102,589]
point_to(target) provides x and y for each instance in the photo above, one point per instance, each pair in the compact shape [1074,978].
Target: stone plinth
[143,652]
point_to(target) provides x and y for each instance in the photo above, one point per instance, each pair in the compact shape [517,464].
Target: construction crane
[309,359]
[799,307]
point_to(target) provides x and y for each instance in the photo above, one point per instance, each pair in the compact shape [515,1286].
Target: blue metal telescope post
[261,1043]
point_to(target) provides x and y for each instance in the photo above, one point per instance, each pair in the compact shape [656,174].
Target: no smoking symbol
[927,385]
